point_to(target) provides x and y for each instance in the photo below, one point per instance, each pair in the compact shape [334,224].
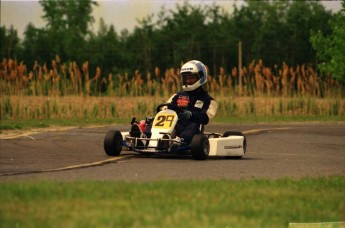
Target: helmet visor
[189,79]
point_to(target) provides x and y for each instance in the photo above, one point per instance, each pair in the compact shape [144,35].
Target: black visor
[186,76]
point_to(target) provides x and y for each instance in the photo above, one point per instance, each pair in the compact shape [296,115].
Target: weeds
[71,107]
[67,91]
[66,79]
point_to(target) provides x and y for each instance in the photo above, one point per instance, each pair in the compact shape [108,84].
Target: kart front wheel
[113,143]
[200,147]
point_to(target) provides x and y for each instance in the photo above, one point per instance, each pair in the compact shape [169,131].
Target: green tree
[330,49]
[35,46]
[9,42]
[270,38]
[103,48]
[187,30]
[219,45]
[303,17]
[274,31]
[248,21]
[279,31]
[68,24]
[142,49]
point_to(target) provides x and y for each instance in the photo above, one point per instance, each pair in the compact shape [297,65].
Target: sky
[123,14]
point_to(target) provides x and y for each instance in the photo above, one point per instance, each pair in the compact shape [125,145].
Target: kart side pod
[233,146]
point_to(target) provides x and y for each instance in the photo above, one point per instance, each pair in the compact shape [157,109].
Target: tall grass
[78,107]
[66,91]
[66,79]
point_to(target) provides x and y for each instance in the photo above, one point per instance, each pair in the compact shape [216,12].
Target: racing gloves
[185,115]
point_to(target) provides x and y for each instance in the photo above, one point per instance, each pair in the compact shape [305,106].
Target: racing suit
[202,108]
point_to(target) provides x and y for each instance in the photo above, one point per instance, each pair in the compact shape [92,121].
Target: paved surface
[274,151]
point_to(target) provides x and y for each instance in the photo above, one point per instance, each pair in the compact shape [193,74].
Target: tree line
[273,31]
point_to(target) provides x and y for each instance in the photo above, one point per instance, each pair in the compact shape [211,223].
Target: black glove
[185,115]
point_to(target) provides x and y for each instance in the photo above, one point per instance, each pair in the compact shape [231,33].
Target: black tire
[200,147]
[113,143]
[237,133]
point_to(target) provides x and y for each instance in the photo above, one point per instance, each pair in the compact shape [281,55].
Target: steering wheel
[171,106]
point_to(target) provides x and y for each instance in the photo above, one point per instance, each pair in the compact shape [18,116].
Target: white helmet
[193,67]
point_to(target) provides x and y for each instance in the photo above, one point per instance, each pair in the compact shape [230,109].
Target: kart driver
[197,106]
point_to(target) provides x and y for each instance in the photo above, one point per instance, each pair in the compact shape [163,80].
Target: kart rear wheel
[237,133]
[113,143]
[200,147]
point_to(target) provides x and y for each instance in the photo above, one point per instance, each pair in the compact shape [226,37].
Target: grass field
[223,203]
[19,112]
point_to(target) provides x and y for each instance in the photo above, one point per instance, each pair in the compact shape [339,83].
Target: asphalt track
[274,151]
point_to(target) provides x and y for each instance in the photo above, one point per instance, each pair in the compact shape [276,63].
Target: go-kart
[163,139]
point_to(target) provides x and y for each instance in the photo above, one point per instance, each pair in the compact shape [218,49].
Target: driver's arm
[204,115]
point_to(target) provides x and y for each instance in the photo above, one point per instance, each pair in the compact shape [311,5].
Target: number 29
[161,120]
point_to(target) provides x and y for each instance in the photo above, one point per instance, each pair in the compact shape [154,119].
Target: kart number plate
[164,121]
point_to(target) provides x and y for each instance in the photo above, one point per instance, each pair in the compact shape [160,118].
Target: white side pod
[228,146]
